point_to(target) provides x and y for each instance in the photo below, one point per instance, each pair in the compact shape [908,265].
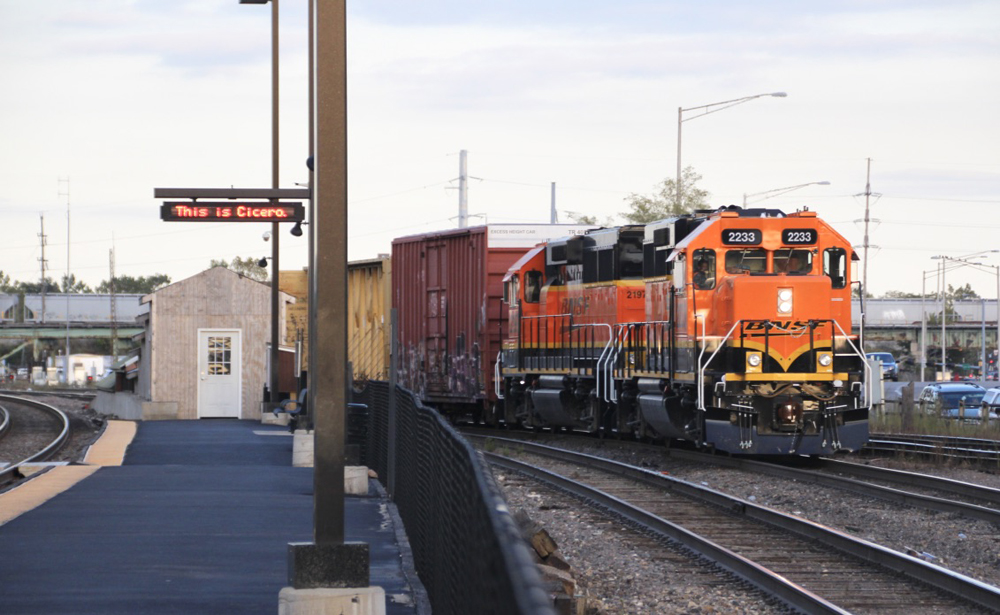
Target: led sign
[231,211]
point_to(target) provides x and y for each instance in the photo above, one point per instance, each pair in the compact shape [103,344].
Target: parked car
[890,370]
[991,403]
[953,400]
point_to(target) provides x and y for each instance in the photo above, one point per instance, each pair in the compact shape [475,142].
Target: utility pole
[43,261]
[463,189]
[114,309]
[66,282]
[864,272]
[868,193]
[553,214]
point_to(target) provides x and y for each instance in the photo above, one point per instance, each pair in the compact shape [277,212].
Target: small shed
[204,350]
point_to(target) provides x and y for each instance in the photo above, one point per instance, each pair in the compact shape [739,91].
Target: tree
[962,293]
[143,285]
[579,218]
[5,283]
[899,294]
[247,267]
[34,288]
[664,202]
[72,285]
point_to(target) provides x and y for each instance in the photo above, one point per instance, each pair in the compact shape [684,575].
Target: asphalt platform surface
[197,520]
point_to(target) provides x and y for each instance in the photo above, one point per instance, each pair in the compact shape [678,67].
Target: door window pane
[220,355]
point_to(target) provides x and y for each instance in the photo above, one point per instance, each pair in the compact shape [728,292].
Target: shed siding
[213,299]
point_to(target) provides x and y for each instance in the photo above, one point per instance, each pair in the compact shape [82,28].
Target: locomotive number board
[798,236]
[231,211]
[741,236]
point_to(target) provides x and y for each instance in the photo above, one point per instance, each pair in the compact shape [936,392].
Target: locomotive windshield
[792,261]
[749,260]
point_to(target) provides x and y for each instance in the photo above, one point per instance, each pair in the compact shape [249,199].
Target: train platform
[195,517]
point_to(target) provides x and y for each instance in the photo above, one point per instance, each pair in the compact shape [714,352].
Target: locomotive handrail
[624,332]
[701,365]
[867,385]
[604,354]
[496,375]
[537,344]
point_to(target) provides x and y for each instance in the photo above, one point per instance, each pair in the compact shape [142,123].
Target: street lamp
[275,293]
[779,191]
[706,109]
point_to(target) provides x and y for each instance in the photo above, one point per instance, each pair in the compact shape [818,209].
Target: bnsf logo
[788,324]
[576,306]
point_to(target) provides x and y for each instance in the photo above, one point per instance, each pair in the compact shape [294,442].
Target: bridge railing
[466,546]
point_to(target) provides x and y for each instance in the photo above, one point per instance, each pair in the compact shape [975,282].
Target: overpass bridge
[56,316]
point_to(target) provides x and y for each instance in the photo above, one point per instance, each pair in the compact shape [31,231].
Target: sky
[105,100]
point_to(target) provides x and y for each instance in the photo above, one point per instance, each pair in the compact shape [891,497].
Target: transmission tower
[44,262]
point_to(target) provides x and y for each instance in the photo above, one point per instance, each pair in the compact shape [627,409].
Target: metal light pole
[329,561]
[944,319]
[275,235]
[962,261]
[706,109]
[779,191]
[923,325]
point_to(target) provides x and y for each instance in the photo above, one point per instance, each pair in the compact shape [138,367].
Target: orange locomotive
[729,328]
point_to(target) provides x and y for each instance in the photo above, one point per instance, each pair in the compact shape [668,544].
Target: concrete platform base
[325,601]
[270,418]
[302,449]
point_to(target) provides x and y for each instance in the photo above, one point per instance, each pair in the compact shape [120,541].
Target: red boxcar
[447,288]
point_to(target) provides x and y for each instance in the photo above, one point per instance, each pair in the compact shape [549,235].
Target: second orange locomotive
[729,328]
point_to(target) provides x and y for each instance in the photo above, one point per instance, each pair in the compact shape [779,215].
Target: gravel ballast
[604,560]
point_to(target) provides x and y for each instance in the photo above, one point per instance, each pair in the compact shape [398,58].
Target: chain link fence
[466,546]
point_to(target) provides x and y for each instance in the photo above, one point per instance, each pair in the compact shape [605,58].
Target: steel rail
[773,584]
[53,446]
[926,481]
[950,440]
[4,421]
[953,583]
[888,494]
[919,446]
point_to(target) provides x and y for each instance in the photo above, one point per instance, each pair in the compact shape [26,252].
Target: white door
[219,374]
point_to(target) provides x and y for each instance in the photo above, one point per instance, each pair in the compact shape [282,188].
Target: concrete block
[355,480]
[362,601]
[302,449]
[269,418]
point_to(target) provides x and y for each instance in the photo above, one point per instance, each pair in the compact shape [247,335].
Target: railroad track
[984,453]
[976,501]
[939,494]
[33,432]
[828,571]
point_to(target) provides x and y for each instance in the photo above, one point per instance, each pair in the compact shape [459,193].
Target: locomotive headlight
[754,360]
[784,300]
[825,360]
